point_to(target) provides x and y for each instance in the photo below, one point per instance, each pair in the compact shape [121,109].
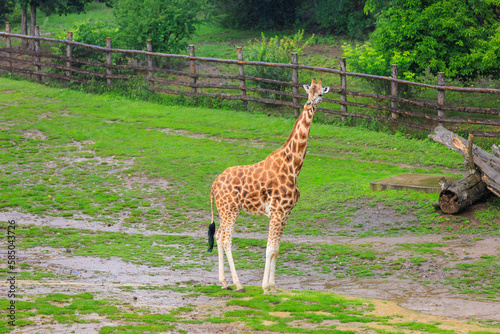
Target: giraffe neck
[296,145]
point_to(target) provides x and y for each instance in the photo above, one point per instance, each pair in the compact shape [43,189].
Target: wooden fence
[41,63]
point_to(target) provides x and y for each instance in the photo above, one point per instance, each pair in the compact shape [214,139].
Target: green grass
[481,277]
[66,153]
[424,248]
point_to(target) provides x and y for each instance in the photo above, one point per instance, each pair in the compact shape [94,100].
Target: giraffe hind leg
[225,238]
[220,250]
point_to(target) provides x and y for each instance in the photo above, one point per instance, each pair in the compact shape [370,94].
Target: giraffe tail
[211,227]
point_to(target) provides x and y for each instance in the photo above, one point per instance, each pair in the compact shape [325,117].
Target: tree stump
[458,195]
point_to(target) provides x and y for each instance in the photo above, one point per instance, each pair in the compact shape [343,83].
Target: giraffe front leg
[267,270]
[272,272]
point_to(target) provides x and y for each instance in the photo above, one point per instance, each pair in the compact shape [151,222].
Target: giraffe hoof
[241,290]
[227,288]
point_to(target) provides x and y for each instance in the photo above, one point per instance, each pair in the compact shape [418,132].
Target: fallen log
[457,196]
[484,173]
[488,164]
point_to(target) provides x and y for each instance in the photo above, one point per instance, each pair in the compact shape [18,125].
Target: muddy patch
[34,134]
[379,218]
[246,142]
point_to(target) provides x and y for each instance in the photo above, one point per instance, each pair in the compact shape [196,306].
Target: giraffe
[267,188]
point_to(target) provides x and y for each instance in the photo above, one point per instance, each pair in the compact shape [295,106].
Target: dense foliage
[458,37]
[274,50]
[94,33]
[90,32]
[257,14]
[6,7]
[342,17]
[334,16]
[167,23]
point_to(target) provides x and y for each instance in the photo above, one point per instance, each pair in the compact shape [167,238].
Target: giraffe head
[315,92]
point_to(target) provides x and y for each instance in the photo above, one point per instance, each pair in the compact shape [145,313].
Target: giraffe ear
[326,90]
[306,87]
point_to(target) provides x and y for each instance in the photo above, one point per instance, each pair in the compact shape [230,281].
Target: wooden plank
[38,68]
[149,47]
[8,44]
[69,54]
[109,72]
[343,87]
[295,81]
[192,70]
[241,72]
[394,90]
[441,96]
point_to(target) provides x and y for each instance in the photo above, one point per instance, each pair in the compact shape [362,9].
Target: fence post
[9,45]
[241,72]
[109,72]
[343,87]
[394,90]
[69,55]
[441,82]
[38,68]
[150,64]
[192,70]
[295,81]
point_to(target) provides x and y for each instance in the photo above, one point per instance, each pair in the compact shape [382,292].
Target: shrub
[274,50]
[89,32]
[167,23]
[93,33]
[366,59]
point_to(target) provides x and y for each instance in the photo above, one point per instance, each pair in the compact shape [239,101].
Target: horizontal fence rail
[108,64]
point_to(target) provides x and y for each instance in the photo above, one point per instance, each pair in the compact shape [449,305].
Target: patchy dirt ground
[133,284]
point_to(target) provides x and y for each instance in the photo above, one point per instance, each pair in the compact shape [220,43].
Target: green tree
[6,7]
[344,17]
[458,37]
[167,23]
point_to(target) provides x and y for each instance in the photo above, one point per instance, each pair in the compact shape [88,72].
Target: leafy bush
[89,32]
[366,59]
[93,33]
[274,50]
[167,23]
[458,37]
